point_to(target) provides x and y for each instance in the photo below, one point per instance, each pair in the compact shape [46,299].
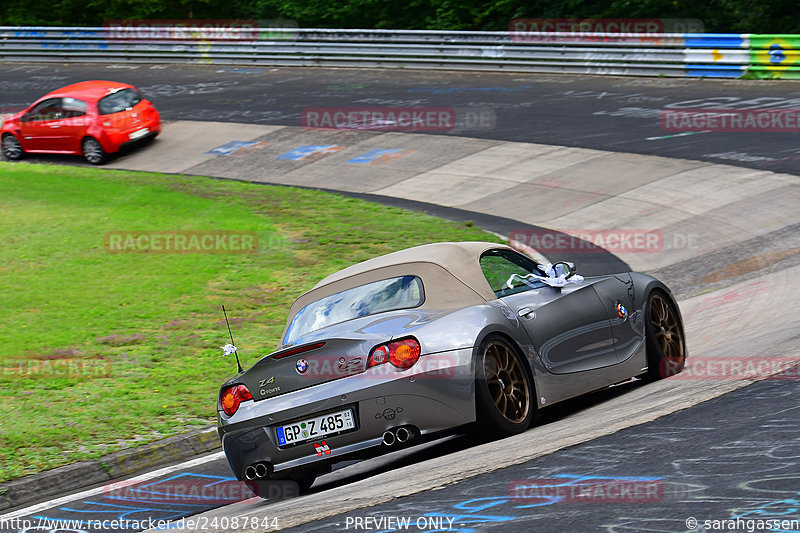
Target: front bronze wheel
[505,404]
[666,348]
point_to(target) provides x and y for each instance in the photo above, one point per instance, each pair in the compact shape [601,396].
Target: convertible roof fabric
[450,273]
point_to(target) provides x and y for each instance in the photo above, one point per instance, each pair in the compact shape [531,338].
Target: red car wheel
[93,151]
[12,149]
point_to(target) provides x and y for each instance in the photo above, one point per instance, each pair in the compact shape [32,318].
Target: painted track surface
[730,252]
[708,463]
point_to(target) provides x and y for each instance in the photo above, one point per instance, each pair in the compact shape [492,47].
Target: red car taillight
[232,396]
[402,354]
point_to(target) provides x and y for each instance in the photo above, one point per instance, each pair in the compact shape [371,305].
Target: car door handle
[526,312]
[55,126]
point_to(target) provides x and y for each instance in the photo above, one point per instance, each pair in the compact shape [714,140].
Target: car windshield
[404,292]
[500,265]
[118,101]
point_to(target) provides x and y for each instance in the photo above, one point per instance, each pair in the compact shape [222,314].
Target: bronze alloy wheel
[666,348]
[667,329]
[507,382]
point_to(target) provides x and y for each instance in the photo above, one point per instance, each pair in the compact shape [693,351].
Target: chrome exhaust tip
[261,470]
[405,434]
[250,473]
[388,438]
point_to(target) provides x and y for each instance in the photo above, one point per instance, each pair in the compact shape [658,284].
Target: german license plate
[315,428]
[139,133]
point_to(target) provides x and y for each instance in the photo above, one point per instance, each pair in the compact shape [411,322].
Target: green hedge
[745,16]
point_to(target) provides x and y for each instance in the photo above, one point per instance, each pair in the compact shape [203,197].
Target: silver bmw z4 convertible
[432,340]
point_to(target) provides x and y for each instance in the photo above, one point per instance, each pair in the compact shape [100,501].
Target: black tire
[505,403]
[666,346]
[11,147]
[93,152]
[304,483]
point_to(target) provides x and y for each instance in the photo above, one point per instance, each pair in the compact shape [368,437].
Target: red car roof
[89,90]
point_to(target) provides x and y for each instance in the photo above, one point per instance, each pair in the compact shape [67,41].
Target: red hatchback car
[91,118]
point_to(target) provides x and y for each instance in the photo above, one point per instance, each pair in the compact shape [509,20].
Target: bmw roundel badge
[302,366]
[621,311]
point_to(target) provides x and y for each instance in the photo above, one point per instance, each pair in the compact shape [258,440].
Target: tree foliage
[745,16]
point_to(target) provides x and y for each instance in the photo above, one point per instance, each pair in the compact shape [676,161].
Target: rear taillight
[232,396]
[402,354]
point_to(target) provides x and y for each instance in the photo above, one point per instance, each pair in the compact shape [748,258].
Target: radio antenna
[233,344]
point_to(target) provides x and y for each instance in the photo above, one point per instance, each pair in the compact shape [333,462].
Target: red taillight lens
[402,354]
[378,355]
[232,396]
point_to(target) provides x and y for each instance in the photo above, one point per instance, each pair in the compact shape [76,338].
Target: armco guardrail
[712,55]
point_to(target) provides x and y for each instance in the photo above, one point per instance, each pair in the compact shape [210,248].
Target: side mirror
[566,268]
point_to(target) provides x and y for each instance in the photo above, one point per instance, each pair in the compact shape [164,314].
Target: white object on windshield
[554,277]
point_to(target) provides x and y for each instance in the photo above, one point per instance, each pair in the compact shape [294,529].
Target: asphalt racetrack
[608,113]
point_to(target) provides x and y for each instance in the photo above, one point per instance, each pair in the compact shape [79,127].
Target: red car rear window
[118,101]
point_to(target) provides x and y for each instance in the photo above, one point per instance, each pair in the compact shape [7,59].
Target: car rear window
[404,292]
[118,101]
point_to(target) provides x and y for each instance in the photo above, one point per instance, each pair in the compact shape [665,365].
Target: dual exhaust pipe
[391,437]
[399,435]
[257,471]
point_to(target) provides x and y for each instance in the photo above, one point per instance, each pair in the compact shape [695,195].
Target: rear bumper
[431,400]
[142,140]
[114,141]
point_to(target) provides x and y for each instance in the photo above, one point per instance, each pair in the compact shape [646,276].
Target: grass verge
[103,351]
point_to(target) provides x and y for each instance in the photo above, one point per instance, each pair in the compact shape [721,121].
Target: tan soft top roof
[450,273]
[458,258]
